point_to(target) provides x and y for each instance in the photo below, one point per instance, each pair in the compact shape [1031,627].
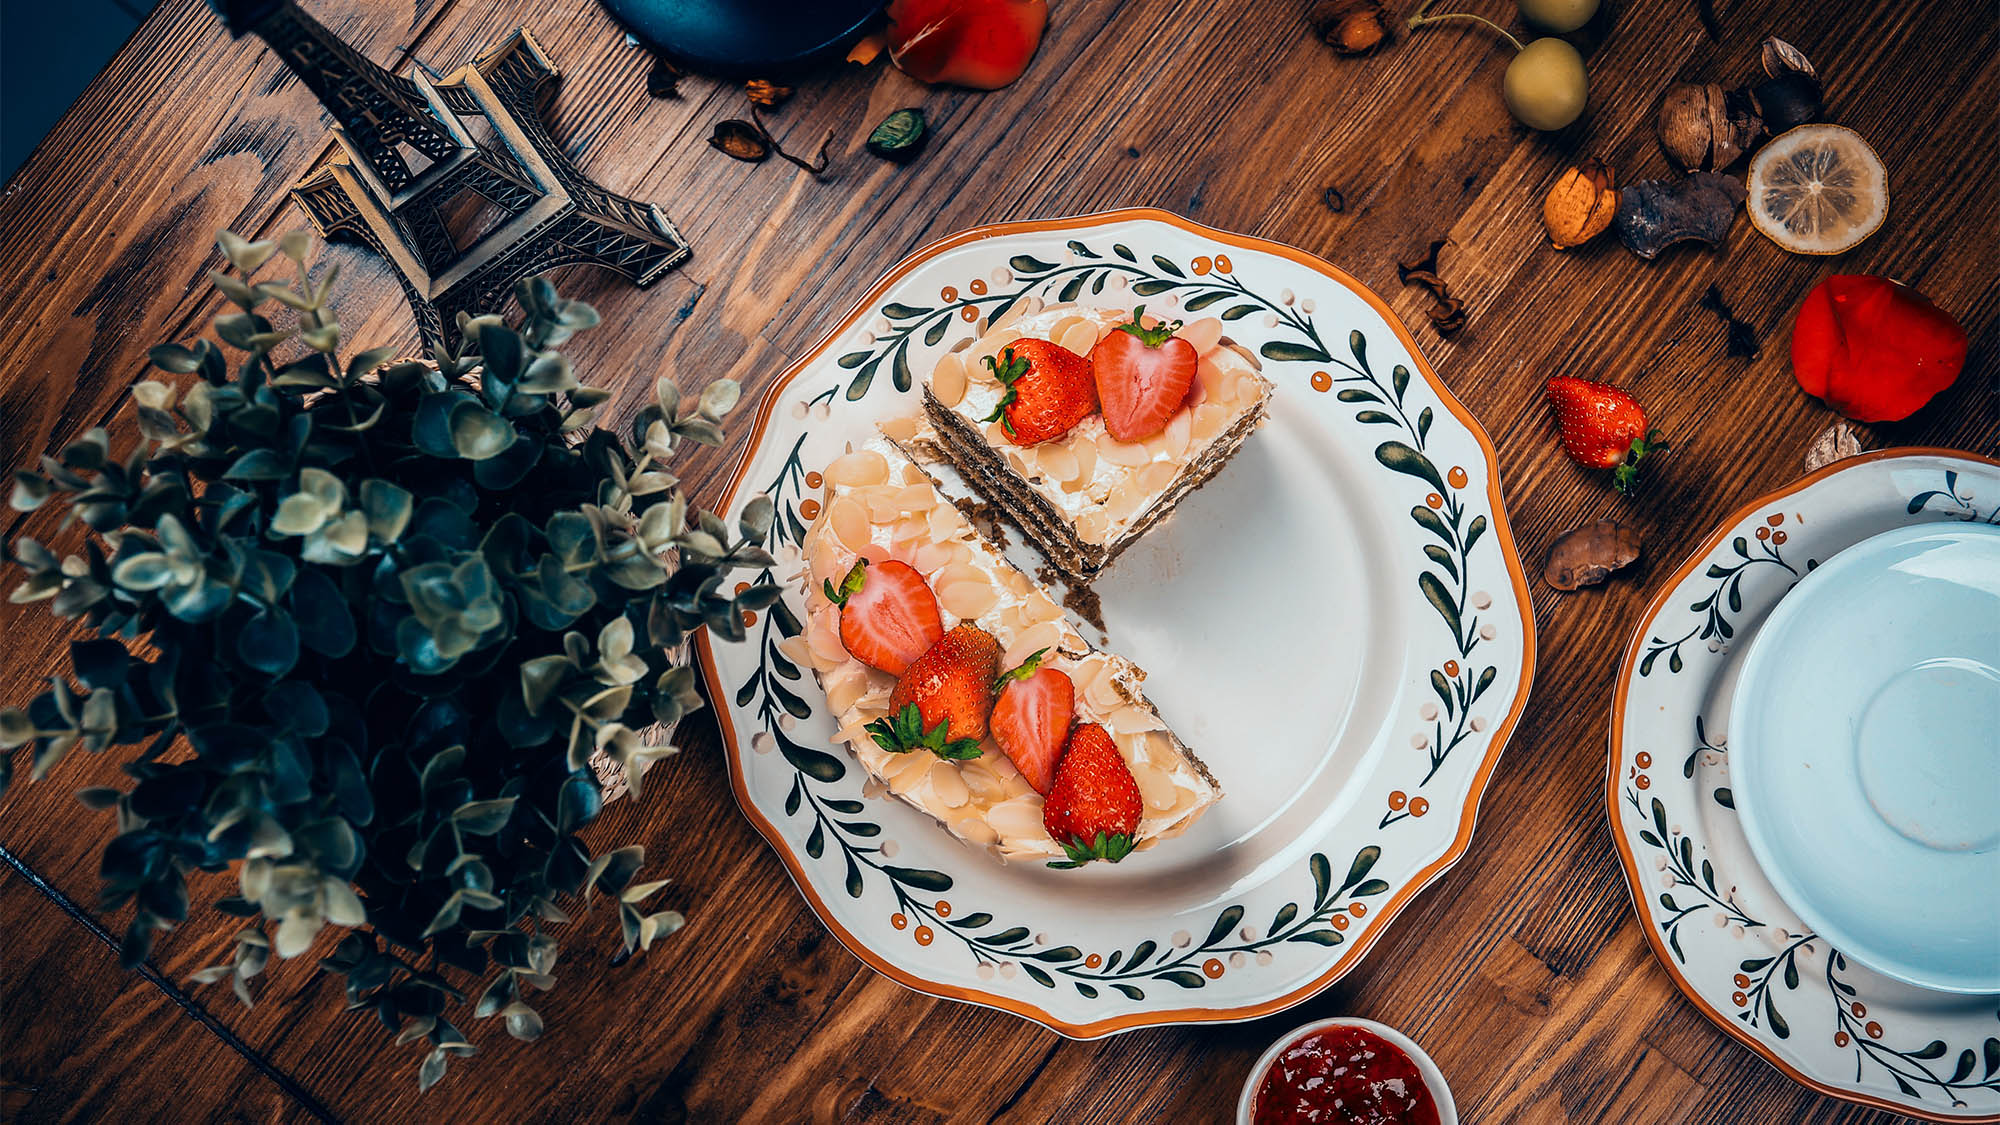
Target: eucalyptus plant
[390,608]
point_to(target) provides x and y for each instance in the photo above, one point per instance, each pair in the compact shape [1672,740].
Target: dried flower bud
[741,139]
[664,79]
[1350,27]
[1581,204]
[770,95]
[1702,129]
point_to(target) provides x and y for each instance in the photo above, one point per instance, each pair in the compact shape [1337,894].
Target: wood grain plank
[85,1042]
[1524,970]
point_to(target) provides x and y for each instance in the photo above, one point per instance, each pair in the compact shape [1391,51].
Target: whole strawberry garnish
[1602,427]
[1049,390]
[1031,718]
[1143,376]
[942,702]
[888,615]
[1093,809]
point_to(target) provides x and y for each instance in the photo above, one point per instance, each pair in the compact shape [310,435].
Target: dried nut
[947,785]
[1079,337]
[967,600]
[1655,214]
[1704,129]
[1581,204]
[1587,555]
[1781,57]
[848,518]
[1350,27]
[860,468]
[1202,334]
[1835,443]
[1018,819]
[948,381]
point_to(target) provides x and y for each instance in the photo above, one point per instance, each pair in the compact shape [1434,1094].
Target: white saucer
[1732,944]
[1866,747]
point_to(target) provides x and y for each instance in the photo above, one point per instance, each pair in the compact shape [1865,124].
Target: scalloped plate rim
[1481,774]
[1621,692]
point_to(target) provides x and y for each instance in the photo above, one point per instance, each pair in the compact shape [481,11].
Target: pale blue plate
[1865,753]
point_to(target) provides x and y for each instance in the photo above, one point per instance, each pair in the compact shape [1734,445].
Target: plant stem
[1419,19]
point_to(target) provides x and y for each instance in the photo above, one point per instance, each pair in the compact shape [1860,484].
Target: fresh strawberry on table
[1602,427]
[942,701]
[1143,376]
[1093,809]
[1049,390]
[1031,718]
[888,615]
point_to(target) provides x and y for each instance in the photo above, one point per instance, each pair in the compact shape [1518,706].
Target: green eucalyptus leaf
[387,508]
[328,573]
[483,818]
[478,433]
[269,642]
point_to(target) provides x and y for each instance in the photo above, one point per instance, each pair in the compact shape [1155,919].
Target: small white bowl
[1440,1093]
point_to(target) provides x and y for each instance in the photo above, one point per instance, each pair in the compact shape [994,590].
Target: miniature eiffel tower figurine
[413,147]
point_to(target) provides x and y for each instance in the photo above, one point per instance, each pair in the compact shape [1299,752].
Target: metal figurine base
[413,147]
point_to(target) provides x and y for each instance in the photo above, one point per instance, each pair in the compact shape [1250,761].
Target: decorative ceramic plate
[1337,624]
[1723,933]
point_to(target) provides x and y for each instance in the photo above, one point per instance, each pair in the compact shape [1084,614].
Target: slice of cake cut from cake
[958,683]
[1173,403]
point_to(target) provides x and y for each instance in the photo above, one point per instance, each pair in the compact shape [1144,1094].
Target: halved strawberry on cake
[1087,426]
[960,686]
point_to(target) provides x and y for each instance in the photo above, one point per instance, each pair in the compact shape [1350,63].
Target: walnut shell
[1704,129]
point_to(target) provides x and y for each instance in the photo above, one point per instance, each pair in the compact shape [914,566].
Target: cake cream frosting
[877,503]
[1087,496]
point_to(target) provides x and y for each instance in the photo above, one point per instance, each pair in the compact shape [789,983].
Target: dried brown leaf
[1449,316]
[1587,555]
[769,95]
[664,79]
[1428,263]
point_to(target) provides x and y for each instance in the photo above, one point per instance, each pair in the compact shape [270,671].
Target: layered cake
[1086,426]
[960,686]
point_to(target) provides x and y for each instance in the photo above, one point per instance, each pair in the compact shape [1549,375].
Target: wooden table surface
[1523,971]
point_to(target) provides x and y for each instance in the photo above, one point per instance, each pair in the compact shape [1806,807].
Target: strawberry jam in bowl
[1345,1072]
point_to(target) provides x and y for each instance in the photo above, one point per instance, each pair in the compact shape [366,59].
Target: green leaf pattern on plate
[1935,1071]
[1446,511]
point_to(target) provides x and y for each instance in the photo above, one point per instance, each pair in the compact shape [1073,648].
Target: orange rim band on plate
[1481,776]
[1618,697]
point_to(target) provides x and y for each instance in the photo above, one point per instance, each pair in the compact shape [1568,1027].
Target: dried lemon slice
[1818,189]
